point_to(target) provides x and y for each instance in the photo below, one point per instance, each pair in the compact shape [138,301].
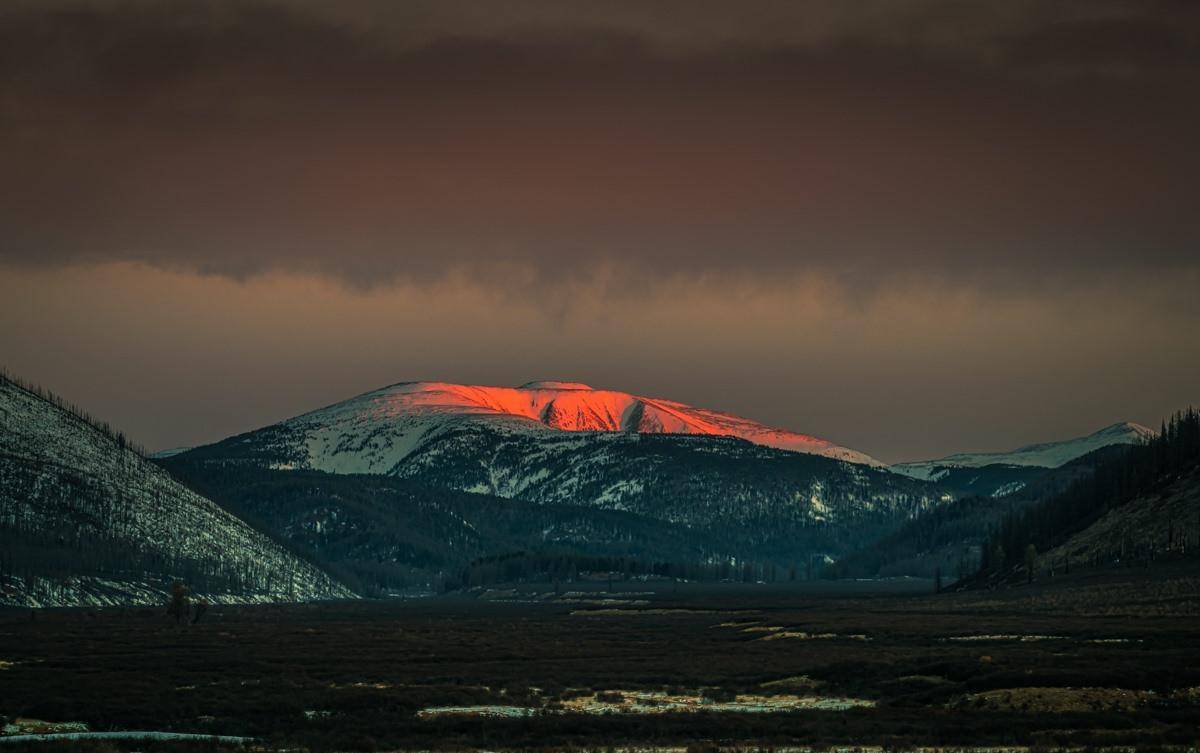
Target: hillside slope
[1136,506]
[1159,523]
[84,519]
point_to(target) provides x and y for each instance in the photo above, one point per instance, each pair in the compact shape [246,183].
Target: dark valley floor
[1099,658]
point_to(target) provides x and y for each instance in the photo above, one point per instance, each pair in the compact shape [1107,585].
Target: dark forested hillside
[944,541]
[385,534]
[1164,466]
[724,495]
[947,540]
[85,519]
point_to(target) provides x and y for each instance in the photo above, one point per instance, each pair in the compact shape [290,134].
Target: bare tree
[179,605]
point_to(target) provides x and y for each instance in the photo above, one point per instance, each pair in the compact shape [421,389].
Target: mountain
[567,445]
[374,432]
[1002,473]
[86,520]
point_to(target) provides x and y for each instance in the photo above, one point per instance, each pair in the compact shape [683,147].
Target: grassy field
[1095,660]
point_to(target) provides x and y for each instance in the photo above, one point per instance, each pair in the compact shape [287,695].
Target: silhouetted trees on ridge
[1142,469]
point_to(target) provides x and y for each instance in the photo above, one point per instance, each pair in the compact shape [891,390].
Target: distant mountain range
[565,442]
[389,489]
[86,520]
[1000,474]
[734,488]
[1043,455]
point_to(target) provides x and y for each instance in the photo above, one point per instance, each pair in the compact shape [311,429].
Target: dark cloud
[992,143]
[1135,47]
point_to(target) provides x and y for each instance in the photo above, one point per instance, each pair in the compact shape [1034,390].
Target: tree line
[559,567]
[103,427]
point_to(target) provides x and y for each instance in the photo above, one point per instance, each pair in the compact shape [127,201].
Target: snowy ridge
[1045,455]
[374,432]
[122,527]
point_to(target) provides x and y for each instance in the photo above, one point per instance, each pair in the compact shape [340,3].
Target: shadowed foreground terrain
[1107,658]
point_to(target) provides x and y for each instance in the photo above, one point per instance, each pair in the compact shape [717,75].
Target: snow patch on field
[656,702]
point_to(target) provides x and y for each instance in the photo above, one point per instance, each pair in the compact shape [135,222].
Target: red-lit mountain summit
[417,409]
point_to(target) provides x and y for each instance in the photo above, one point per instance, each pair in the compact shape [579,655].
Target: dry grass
[1056,700]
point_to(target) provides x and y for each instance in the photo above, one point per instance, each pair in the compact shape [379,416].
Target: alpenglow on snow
[410,413]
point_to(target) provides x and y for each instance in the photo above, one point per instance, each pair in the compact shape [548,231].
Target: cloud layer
[989,143]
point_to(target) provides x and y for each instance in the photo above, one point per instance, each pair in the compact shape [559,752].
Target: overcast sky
[910,226]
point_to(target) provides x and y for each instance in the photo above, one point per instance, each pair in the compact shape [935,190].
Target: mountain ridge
[418,409]
[1052,454]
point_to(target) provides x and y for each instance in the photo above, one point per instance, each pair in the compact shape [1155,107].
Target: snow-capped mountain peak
[1043,454]
[412,412]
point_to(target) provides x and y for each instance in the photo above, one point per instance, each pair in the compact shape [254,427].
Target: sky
[913,227]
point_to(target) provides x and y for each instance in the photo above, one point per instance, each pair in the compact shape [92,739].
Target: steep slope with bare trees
[85,519]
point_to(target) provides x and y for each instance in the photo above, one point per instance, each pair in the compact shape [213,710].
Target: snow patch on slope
[1007,489]
[169,453]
